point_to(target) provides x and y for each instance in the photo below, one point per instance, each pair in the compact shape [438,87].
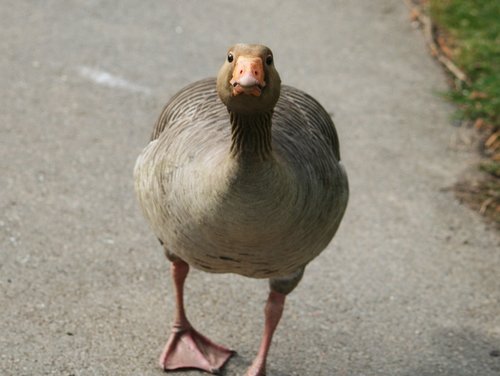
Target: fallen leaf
[490,141]
[478,124]
[414,14]
[478,95]
[444,46]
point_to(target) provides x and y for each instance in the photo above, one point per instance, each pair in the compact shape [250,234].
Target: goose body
[259,218]
[242,175]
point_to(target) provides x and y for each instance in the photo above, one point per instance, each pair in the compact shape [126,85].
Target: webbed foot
[186,348]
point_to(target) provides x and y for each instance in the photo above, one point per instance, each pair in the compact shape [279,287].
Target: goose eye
[230,57]
[269,59]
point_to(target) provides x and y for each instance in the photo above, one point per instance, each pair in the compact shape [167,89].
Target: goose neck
[251,137]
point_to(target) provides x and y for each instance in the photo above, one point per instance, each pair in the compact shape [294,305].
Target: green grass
[474,30]
[491,167]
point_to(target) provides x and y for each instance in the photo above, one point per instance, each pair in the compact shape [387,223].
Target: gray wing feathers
[298,106]
[200,100]
[194,101]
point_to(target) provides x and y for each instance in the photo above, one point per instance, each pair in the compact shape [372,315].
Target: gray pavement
[410,286]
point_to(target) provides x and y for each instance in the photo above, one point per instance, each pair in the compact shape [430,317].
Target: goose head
[248,82]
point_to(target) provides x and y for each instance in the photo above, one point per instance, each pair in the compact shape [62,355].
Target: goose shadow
[240,363]
[460,352]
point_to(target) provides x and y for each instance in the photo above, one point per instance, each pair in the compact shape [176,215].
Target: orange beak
[248,76]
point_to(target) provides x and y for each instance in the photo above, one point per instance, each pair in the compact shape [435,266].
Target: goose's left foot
[186,348]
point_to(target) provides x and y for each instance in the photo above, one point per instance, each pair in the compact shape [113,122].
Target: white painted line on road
[103,78]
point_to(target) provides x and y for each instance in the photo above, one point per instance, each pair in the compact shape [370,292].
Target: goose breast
[259,219]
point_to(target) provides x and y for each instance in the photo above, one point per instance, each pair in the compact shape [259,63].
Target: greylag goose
[242,175]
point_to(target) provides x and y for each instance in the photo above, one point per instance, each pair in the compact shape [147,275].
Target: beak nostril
[241,71]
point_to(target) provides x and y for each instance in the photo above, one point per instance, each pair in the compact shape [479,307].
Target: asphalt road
[409,287]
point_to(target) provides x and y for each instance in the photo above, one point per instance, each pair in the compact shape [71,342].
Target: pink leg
[273,312]
[186,348]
